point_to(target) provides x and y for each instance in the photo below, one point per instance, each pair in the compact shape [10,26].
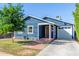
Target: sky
[52,10]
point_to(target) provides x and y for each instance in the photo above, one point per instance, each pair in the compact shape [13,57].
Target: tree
[11,18]
[58,17]
[76,20]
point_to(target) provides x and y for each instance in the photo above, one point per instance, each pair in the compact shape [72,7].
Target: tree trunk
[13,37]
[12,40]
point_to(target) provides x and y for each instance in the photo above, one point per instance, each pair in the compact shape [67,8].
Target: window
[69,27]
[60,27]
[30,29]
[64,27]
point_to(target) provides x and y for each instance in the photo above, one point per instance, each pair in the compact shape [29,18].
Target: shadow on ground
[64,41]
[27,42]
[59,43]
[56,42]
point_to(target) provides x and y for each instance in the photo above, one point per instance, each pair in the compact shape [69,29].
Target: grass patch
[16,48]
[28,42]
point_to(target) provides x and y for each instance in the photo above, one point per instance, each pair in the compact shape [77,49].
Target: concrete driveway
[61,48]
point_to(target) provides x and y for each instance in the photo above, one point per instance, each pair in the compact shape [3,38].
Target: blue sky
[49,9]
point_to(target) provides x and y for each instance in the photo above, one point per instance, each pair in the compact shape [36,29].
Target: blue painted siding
[34,23]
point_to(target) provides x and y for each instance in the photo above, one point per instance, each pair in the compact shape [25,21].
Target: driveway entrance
[61,48]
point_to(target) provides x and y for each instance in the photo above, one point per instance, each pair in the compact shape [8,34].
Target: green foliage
[76,19]
[11,18]
[59,17]
[9,47]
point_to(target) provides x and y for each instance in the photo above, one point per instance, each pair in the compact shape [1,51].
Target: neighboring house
[47,27]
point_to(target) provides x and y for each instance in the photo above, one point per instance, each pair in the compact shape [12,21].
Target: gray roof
[51,21]
[57,20]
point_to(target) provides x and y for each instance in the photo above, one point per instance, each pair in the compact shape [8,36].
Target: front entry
[46,32]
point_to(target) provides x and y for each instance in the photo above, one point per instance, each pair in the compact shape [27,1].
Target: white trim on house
[28,29]
[38,27]
[38,31]
[44,24]
[49,31]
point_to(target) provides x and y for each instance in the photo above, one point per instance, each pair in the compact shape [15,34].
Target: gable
[31,20]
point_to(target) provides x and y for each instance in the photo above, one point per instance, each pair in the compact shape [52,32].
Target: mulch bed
[44,40]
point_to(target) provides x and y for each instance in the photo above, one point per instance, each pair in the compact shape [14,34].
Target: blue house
[37,28]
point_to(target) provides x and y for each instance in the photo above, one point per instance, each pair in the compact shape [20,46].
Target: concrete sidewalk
[61,48]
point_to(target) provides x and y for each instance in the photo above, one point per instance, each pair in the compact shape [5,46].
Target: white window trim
[28,29]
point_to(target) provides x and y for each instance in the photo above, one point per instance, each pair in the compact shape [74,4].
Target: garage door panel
[65,32]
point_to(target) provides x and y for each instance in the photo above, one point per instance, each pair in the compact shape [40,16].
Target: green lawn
[16,48]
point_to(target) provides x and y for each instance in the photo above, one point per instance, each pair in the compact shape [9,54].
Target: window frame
[28,29]
[65,27]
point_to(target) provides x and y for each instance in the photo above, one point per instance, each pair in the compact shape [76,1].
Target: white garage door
[65,32]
